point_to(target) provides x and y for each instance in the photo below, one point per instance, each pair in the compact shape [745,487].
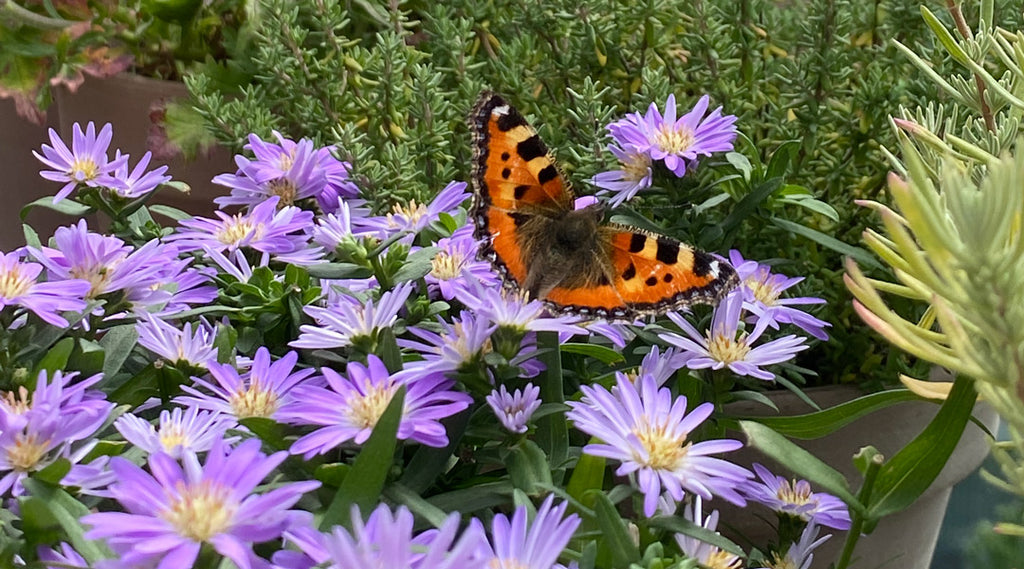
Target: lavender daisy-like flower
[191,344]
[261,392]
[517,543]
[467,339]
[414,217]
[18,287]
[763,291]
[345,322]
[265,228]
[515,409]
[514,311]
[139,181]
[84,163]
[349,407]
[800,555]
[335,228]
[387,540]
[457,261]
[704,553]
[179,431]
[634,175]
[676,142]
[662,365]
[722,347]
[290,171]
[648,432]
[795,498]
[172,512]
[66,558]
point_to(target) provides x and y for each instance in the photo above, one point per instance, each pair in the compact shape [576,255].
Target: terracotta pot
[125,101]
[905,540]
[20,182]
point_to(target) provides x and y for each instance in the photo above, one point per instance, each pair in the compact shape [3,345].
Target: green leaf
[54,472]
[168,211]
[363,484]
[66,206]
[416,504]
[416,265]
[799,461]
[679,524]
[552,432]
[528,467]
[473,498]
[602,354]
[741,163]
[269,431]
[117,343]
[862,256]
[945,38]
[588,475]
[387,349]
[57,357]
[87,358]
[821,423]
[67,511]
[782,158]
[749,204]
[814,205]
[339,271]
[912,470]
[613,531]
[428,462]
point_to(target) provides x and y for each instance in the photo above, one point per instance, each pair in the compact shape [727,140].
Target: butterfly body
[523,211]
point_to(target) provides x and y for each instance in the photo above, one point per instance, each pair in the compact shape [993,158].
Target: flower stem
[874,466]
[30,18]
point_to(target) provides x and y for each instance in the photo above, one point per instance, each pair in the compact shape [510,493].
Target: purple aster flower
[18,287]
[465,341]
[138,182]
[84,163]
[661,366]
[515,409]
[680,142]
[704,553]
[722,347]
[335,228]
[648,432]
[634,175]
[66,558]
[517,543]
[192,344]
[514,311]
[795,498]
[800,554]
[414,217]
[264,228]
[387,540]
[347,321]
[106,262]
[179,432]
[457,261]
[762,290]
[349,407]
[617,333]
[93,478]
[290,171]
[188,287]
[172,512]
[261,392]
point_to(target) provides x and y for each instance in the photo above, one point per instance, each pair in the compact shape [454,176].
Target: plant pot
[125,101]
[905,540]
[20,182]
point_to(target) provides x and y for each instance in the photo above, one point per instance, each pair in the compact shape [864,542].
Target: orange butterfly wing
[516,181]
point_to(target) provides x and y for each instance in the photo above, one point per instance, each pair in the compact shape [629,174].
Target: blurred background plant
[953,236]
[393,85]
[50,44]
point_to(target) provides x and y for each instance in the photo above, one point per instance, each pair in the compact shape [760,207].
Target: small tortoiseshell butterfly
[523,213]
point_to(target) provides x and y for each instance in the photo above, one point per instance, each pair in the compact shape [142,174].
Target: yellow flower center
[763,291]
[673,140]
[446,266]
[172,435]
[459,342]
[497,563]
[412,212]
[726,349]
[636,167]
[16,404]
[664,451]
[13,283]
[26,452]
[791,493]
[98,277]
[236,229]
[284,189]
[366,411]
[285,161]
[781,562]
[254,401]
[719,559]
[84,169]
[201,511]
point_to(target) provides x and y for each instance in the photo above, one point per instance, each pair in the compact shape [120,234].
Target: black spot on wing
[668,251]
[667,278]
[519,218]
[629,273]
[510,120]
[531,148]
[637,242]
[505,156]
[702,263]
[520,191]
[547,174]
[505,173]
[651,281]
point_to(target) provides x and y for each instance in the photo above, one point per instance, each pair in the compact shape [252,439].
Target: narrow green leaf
[602,354]
[749,204]
[269,431]
[862,256]
[473,498]
[588,475]
[387,349]
[67,511]
[912,470]
[799,461]
[821,423]
[57,357]
[528,467]
[66,206]
[552,432]
[364,483]
[945,38]
[117,343]
[679,524]
[613,531]
[782,158]
[416,265]
[168,211]
[416,504]
[429,462]
[339,271]
[817,206]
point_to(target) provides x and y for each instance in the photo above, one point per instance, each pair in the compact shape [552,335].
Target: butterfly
[523,214]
